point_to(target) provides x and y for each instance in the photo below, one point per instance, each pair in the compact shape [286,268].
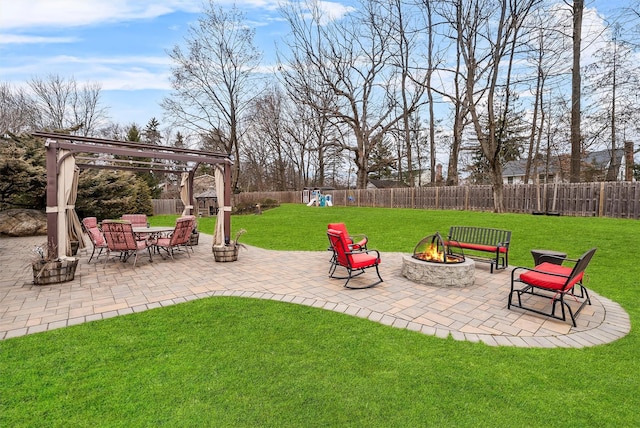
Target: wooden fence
[167,206]
[602,199]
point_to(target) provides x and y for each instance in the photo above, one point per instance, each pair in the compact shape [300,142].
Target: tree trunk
[576,146]
[498,188]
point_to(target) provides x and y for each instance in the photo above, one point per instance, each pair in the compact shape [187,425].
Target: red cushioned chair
[552,281]
[120,238]
[179,237]
[90,225]
[352,260]
[355,242]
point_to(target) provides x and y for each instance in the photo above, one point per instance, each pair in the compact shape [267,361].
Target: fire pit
[439,263]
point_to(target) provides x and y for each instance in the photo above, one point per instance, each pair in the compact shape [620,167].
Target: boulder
[23,222]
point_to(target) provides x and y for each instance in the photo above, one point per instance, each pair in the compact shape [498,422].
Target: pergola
[66,154]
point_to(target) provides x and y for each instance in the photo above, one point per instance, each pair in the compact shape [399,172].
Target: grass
[243,362]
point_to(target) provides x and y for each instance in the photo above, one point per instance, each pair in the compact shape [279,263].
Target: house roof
[516,168]
[602,158]
[387,184]
[207,194]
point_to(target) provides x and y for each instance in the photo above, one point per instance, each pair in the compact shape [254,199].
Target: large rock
[22,222]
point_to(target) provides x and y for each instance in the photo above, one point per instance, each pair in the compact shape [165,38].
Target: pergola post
[51,149]
[227,202]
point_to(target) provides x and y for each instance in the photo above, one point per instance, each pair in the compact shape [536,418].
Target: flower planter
[193,240]
[225,253]
[54,272]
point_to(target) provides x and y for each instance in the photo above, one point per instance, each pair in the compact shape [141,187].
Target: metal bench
[477,241]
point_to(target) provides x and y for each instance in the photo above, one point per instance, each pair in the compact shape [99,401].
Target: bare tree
[547,59]
[488,40]
[576,87]
[612,82]
[63,104]
[18,112]
[213,78]
[352,59]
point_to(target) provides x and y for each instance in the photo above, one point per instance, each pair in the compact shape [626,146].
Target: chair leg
[92,252]
[360,273]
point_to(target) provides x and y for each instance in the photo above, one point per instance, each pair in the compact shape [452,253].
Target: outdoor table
[152,231]
[556,261]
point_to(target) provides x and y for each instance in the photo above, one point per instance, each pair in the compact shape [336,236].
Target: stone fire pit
[457,275]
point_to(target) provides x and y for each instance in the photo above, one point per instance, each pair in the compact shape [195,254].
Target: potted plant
[229,252]
[49,270]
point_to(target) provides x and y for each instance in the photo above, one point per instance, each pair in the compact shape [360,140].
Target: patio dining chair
[90,225]
[137,220]
[180,237]
[354,261]
[120,238]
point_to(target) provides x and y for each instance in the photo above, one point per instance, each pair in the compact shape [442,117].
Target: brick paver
[477,313]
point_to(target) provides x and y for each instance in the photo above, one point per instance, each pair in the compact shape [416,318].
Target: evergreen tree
[23,166]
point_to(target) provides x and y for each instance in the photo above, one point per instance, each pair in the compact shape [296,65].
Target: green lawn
[244,362]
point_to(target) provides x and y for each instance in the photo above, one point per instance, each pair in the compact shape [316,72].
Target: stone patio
[477,313]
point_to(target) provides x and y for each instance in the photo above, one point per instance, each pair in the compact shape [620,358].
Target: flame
[432,254]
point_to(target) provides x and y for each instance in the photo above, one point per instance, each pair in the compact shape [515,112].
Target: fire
[432,254]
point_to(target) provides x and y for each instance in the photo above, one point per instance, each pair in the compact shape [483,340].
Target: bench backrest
[480,235]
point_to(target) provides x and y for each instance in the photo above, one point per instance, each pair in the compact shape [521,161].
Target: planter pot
[54,272]
[193,240]
[225,253]
[74,247]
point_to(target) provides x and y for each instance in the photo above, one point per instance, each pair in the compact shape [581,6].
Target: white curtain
[74,228]
[218,234]
[184,193]
[65,186]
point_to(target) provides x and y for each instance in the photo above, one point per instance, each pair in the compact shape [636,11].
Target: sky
[122,44]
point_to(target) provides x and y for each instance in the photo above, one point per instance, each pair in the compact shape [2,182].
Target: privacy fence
[604,199]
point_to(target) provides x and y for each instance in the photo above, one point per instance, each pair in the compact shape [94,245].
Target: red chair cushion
[96,237]
[360,261]
[551,282]
[480,247]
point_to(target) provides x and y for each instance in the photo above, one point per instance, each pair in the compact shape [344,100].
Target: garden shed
[207,203]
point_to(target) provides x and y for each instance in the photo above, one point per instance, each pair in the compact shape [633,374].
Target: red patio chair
[552,281]
[355,242]
[180,236]
[120,238]
[90,225]
[352,260]
[136,220]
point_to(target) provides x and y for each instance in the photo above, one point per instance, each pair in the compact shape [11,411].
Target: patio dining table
[152,231]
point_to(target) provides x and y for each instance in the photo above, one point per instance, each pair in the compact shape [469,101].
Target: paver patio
[478,313]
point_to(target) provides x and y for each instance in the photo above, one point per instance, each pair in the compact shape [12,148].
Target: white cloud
[33,14]
[14,39]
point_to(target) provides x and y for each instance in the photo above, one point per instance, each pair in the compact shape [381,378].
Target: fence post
[601,200]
